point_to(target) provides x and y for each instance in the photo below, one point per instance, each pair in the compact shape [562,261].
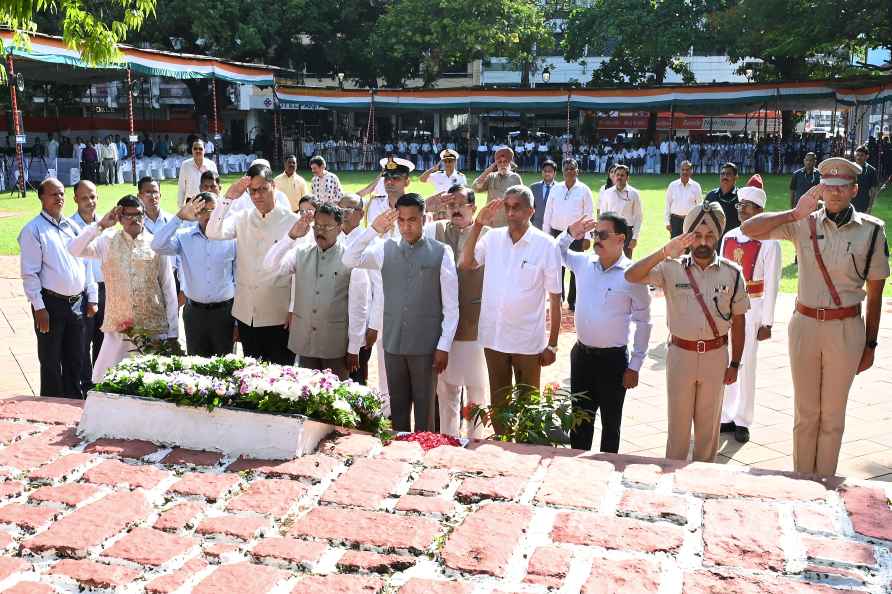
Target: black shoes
[728,427]
[742,434]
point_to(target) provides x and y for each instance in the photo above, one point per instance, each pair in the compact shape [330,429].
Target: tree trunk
[525,75]
[788,122]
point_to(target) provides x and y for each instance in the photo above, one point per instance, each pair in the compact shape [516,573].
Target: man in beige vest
[496,179]
[260,306]
[331,302]
[705,299]
[467,364]
[139,288]
[839,250]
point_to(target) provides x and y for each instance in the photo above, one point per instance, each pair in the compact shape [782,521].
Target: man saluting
[838,251]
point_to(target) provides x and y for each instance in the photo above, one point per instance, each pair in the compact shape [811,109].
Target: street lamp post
[546,75]
[341,80]
[16,82]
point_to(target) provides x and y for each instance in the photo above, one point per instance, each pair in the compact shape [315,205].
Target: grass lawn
[15,212]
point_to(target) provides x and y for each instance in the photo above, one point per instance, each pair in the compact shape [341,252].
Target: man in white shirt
[351,228]
[522,265]
[682,195]
[624,200]
[420,307]
[260,306]
[52,149]
[108,152]
[600,365]
[761,265]
[190,173]
[448,176]
[86,197]
[570,200]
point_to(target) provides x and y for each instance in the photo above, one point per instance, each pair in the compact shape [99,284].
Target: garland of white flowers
[243,382]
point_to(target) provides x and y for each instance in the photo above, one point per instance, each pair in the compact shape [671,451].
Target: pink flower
[125,326]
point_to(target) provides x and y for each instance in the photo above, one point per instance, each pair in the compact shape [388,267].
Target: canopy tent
[48,58]
[707,99]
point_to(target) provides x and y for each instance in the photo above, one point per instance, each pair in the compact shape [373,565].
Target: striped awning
[49,58]
[715,98]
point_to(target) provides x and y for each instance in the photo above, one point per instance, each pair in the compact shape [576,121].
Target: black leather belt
[68,298]
[217,305]
[585,347]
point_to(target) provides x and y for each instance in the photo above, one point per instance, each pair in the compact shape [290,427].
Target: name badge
[682,285]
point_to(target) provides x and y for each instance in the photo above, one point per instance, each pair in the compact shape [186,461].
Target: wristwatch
[872,344]
[734,364]
[553,349]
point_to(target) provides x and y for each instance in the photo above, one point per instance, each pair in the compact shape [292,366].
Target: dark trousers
[361,375]
[61,350]
[676,225]
[576,245]
[208,328]
[598,374]
[412,384]
[269,343]
[93,339]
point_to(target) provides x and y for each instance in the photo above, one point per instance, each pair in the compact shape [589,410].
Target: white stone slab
[233,432]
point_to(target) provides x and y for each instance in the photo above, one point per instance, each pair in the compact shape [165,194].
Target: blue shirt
[96,265]
[46,262]
[140,149]
[122,150]
[606,303]
[206,268]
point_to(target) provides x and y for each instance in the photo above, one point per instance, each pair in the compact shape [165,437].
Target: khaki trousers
[696,383]
[526,370]
[824,358]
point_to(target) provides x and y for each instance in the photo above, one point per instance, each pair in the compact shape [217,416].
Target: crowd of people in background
[767,154]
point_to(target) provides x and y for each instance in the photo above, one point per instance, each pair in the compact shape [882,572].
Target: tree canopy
[93,27]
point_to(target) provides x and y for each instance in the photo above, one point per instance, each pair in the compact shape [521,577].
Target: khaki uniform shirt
[294,187]
[495,185]
[844,250]
[723,289]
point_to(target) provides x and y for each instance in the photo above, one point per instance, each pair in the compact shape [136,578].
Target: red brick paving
[300,525]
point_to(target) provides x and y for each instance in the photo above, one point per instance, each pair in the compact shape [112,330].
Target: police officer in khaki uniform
[705,299]
[838,249]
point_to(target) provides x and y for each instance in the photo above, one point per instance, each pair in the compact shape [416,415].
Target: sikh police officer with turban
[705,299]
[839,250]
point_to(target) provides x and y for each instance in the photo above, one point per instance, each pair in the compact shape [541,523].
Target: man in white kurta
[139,288]
[761,264]
[624,200]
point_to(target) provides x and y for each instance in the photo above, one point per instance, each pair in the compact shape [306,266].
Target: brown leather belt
[700,346]
[755,288]
[823,314]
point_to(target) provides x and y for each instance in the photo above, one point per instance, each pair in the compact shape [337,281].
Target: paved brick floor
[866,452]
[362,517]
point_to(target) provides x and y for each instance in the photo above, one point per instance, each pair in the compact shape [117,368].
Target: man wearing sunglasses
[190,173]
[761,265]
[705,305]
[139,289]
[600,365]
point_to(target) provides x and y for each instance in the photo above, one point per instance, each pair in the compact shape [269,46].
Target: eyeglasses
[325,228]
[133,216]
[603,235]
[745,204]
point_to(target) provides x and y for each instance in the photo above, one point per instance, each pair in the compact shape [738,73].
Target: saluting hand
[383,223]
[808,202]
[488,213]
[191,208]
[238,187]
[302,226]
[677,245]
[582,226]
[110,218]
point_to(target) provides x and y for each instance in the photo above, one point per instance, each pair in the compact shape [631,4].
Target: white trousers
[467,368]
[115,348]
[740,397]
[382,373]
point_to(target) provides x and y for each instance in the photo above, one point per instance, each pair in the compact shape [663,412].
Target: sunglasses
[137,216]
[603,235]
